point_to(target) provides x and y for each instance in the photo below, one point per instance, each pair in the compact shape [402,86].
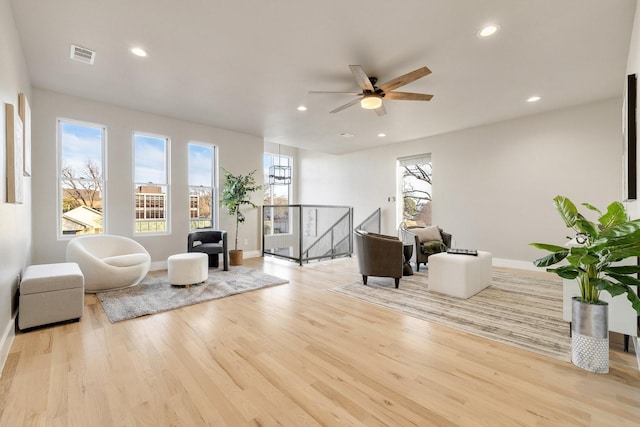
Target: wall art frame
[14,137]
[24,110]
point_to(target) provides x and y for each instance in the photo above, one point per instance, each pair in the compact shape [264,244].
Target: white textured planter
[590,336]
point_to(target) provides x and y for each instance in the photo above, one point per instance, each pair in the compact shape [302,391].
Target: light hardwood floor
[297,355]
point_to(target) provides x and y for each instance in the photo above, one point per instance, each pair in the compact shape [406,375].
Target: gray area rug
[521,311]
[155,294]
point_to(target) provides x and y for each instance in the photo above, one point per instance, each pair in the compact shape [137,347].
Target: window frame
[167,184]
[215,205]
[266,167]
[60,164]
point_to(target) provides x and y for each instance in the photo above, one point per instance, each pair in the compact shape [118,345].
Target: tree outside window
[81,180]
[416,179]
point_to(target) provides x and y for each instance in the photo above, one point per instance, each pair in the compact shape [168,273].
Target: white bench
[460,276]
[50,293]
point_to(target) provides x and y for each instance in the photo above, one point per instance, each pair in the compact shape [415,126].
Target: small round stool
[188,269]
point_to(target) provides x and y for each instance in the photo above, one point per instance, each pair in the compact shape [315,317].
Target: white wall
[15,219]
[493,185]
[238,153]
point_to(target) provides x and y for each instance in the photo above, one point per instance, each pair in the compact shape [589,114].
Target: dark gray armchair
[210,242]
[379,255]
[424,248]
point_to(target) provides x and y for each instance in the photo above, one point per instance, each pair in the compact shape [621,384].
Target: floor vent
[82,54]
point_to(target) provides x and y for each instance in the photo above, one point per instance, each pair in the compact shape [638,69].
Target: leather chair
[379,255]
[210,242]
[424,248]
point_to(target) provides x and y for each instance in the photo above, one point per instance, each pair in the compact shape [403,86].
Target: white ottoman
[460,276]
[188,269]
[50,293]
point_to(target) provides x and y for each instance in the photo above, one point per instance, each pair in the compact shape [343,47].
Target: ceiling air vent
[82,54]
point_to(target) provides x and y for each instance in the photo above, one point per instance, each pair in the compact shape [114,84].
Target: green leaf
[616,214]
[582,258]
[591,207]
[635,301]
[623,269]
[547,247]
[567,210]
[625,279]
[587,227]
[623,229]
[551,259]
[614,289]
[566,271]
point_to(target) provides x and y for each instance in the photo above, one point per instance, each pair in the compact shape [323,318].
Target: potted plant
[595,258]
[236,194]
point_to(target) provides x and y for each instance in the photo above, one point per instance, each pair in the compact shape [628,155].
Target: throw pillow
[432,247]
[428,234]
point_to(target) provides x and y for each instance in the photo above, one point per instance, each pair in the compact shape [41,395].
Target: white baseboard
[158,265]
[162,265]
[512,263]
[6,341]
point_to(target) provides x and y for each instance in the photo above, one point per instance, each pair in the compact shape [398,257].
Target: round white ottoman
[188,269]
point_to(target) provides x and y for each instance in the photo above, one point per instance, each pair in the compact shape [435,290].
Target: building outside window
[203,191]
[81,178]
[151,183]
[277,191]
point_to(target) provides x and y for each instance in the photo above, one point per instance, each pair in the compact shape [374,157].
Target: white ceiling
[245,65]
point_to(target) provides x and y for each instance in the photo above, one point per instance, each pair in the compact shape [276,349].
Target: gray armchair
[424,241]
[379,255]
[210,242]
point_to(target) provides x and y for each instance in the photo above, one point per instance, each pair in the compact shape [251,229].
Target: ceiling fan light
[371,102]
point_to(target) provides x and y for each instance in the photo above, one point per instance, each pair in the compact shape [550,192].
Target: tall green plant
[236,194]
[595,259]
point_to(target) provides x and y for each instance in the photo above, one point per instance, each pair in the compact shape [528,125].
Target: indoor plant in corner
[236,194]
[595,258]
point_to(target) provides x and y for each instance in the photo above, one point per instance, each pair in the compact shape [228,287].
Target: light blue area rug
[154,294]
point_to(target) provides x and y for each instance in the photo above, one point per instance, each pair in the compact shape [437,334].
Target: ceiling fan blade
[408,96]
[330,91]
[381,111]
[405,79]
[361,78]
[347,105]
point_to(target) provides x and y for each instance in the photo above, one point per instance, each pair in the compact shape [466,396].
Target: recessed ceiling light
[137,51]
[533,98]
[302,108]
[382,135]
[489,30]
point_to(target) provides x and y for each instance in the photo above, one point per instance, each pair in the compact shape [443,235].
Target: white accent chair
[109,262]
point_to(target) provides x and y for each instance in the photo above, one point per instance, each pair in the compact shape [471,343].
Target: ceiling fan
[371,96]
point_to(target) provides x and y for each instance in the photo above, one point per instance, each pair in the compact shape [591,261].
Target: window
[415,179]
[277,178]
[81,169]
[203,192]
[151,183]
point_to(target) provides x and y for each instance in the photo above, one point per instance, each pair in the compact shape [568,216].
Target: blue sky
[200,164]
[150,159]
[81,143]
